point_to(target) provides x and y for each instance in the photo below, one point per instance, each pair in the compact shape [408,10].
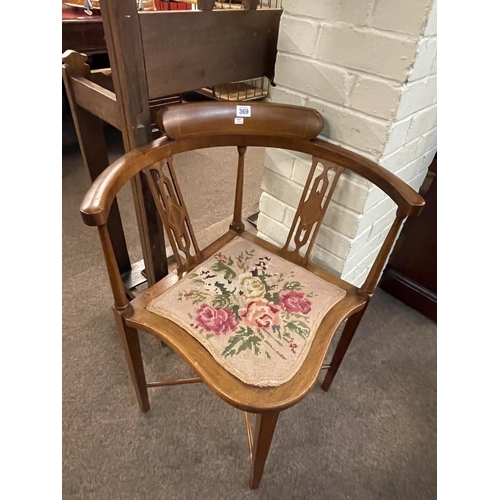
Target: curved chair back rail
[212,118]
[97,202]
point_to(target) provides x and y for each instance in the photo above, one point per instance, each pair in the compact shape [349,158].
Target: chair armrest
[97,202]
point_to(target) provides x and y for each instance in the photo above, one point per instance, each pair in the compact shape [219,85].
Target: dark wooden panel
[411,273]
[410,292]
[193,49]
[83,35]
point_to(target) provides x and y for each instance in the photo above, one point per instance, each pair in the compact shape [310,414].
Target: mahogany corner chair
[254,321]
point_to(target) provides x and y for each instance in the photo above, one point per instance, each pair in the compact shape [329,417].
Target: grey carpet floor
[373,436]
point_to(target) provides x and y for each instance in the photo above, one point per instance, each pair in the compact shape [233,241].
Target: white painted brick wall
[369,67]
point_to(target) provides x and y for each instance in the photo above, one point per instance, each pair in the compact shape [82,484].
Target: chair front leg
[263,435]
[347,335]
[132,348]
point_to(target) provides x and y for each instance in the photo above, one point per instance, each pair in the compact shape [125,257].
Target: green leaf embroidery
[229,274]
[299,327]
[242,341]
[292,285]
[198,297]
[272,297]
[221,301]
[277,352]
[277,329]
[236,309]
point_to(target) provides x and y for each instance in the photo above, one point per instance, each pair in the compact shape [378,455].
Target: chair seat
[248,321]
[256,313]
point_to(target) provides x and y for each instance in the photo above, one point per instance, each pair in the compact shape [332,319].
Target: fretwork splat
[173,213]
[316,196]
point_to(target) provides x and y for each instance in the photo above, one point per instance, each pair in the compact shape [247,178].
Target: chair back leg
[132,348]
[347,335]
[263,435]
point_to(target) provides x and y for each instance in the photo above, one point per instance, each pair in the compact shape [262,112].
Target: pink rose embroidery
[221,258]
[294,302]
[260,314]
[215,320]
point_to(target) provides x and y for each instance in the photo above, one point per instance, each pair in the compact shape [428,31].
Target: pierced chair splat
[253,320]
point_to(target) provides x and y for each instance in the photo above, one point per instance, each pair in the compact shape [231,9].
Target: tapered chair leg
[347,335]
[263,435]
[132,347]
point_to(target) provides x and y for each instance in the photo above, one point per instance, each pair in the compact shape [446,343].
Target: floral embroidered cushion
[256,314]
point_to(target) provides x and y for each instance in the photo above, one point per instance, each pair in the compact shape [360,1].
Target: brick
[368,250]
[375,196]
[354,177]
[375,213]
[297,36]
[417,96]
[301,171]
[351,195]
[360,241]
[426,57]
[352,270]
[284,96]
[336,243]
[342,220]
[326,260]
[413,168]
[266,238]
[311,77]
[289,215]
[402,16]
[418,180]
[375,96]
[276,231]
[402,156]
[360,279]
[272,207]
[321,9]
[372,52]
[427,142]
[382,223]
[348,11]
[431,28]
[279,161]
[422,122]
[353,11]
[351,128]
[397,136]
[281,188]
[434,68]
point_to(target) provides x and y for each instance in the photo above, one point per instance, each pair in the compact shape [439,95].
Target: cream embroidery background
[256,313]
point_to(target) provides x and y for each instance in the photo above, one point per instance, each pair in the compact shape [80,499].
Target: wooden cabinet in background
[411,273]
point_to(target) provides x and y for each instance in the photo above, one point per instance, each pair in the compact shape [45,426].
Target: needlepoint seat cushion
[256,313]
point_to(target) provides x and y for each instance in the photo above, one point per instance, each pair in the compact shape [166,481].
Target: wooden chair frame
[198,126]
